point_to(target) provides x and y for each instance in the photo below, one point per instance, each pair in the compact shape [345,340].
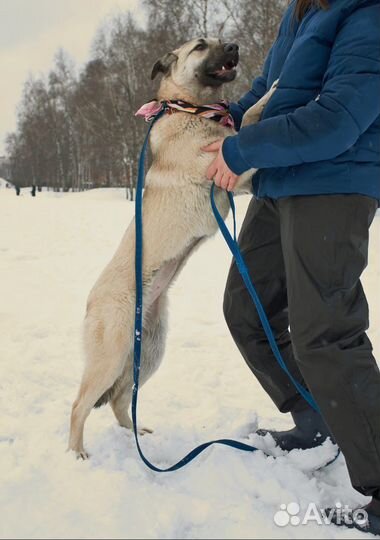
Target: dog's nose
[231,48]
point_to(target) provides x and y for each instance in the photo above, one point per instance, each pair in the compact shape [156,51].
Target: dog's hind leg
[120,405]
[154,333]
[96,381]
[105,365]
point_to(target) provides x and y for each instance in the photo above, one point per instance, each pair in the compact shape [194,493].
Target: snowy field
[52,249]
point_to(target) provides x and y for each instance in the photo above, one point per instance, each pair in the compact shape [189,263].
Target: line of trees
[78,130]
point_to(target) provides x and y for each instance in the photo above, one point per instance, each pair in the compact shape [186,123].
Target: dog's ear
[163,64]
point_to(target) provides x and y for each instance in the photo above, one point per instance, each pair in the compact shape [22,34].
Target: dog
[177,220]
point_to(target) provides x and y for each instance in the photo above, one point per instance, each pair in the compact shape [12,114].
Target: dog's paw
[144,431]
[82,455]
[275,84]
[79,454]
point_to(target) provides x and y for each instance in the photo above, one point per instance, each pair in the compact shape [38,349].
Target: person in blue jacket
[305,235]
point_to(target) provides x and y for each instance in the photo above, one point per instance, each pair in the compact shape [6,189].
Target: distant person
[33,192]
[17,188]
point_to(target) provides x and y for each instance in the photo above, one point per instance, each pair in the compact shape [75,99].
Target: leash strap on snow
[232,243]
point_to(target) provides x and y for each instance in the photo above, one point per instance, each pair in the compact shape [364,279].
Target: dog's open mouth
[220,68]
[227,69]
[224,70]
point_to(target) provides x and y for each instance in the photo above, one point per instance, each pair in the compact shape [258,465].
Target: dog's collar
[219,112]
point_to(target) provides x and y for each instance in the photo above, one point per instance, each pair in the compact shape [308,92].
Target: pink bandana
[219,112]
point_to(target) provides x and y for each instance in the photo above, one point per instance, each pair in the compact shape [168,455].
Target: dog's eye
[200,47]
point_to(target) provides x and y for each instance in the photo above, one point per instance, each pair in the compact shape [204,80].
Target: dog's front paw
[274,85]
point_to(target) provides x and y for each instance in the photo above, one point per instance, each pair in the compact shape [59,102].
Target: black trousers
[306,256]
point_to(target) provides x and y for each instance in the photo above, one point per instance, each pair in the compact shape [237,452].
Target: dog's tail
[106,397]
[109,394]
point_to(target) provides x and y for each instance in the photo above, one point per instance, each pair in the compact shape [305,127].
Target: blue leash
[243,270]
[234,247]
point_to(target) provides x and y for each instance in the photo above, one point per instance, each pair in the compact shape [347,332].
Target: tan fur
[177,218]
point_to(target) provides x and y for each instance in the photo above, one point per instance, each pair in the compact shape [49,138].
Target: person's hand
[219,170]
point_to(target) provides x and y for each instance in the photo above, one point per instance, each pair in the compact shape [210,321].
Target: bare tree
[254,25]
[79,131]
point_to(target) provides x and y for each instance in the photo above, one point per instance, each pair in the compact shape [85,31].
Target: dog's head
[197,70]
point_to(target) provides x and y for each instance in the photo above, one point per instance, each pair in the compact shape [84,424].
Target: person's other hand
[219,170]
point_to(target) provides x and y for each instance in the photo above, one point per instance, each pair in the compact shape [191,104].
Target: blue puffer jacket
[320,132]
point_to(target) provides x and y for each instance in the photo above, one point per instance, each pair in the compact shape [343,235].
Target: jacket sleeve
[348,104]
[258,89]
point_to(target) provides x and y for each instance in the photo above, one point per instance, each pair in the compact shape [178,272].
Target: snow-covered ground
[52,249]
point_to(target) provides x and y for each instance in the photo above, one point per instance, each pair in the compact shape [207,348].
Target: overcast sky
[31,31]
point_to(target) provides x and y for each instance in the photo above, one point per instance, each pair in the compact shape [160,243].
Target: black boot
[310,431]
[365,519]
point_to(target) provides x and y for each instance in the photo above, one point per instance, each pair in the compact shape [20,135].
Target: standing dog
[177,219]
